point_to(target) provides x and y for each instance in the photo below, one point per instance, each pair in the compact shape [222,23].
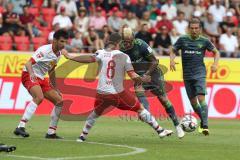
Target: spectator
[164,22]
[56,27]
[141,7]
[227,23]
[211,27]
[93,40]
[114,22]
[200,7]
[3,30]
[186,8]
[18,6]
[63,20]
[27,21]
[174,36]
[97,21]
[169,9]
[83,3]
[154,9]
[145,19]
[70,8]
[11,22]
[81,21]
[180,24]
[229,44]
[218,11]
[76,44]
[145,35]
[162,41]
[130,21]
[105,34]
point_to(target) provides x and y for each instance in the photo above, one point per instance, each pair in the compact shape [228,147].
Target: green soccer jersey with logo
[139,55]
[192,53]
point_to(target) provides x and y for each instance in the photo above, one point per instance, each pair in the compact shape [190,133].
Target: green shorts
[156,86]
[195,87]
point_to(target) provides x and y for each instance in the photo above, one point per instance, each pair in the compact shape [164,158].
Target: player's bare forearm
[82,58]
[135,77]
[172,57]
[153,66]
[216,56]
[52,77]
[28,66]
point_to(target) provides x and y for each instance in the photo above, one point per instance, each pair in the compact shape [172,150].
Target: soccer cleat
[21,132]
[53,136]
[81,139]
[164,132]
[205,131]
[200,130]
[6,148]
[180,132]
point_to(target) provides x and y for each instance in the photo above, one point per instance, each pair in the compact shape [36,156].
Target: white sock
[29,111]
[89,123]
[55,115]
[145,116]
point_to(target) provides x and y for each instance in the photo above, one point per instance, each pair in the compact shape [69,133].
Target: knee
[59,102]
[38,100]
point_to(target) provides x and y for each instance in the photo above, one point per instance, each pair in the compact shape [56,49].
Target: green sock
[197,108]
[204,107]
[171,112]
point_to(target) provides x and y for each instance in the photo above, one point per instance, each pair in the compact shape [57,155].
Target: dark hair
[195,21]
[61,33]
[114,38]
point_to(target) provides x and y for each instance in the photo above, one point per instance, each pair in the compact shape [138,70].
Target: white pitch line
[135,151]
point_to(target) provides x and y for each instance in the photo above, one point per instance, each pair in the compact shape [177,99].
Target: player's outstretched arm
[135,77]
[216,59]
[82,58]
[172,62]
[154,64]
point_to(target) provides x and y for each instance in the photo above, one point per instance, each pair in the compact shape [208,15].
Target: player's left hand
[214,68]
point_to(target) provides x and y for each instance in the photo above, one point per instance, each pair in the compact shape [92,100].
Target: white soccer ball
[189,123]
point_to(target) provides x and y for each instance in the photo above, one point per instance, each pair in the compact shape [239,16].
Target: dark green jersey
[192,52]
[139,55]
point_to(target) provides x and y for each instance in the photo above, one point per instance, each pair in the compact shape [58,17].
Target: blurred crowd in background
[27,24]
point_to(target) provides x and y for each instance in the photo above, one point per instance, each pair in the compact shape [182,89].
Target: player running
[146,64]
[42,61]
[193,47]
[110,91]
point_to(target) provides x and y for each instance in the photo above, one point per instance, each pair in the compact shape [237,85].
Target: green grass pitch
[120,139]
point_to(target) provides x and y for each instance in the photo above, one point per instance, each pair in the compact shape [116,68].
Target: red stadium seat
[22,43]
[48,14]
[5,43]
[38,41]
[34,11]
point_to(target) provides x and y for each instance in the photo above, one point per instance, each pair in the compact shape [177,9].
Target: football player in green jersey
[193,47]
[146,65]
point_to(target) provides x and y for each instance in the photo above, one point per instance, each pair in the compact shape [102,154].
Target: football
[189,123]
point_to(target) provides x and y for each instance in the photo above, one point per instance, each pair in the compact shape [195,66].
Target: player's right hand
[65,53]
[172,65]
[146,78]
[33,77]
[138,80]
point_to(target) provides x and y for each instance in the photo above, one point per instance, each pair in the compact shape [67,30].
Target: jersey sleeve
[178,44]
[147,50]
[98,56]
[209,45]
[128,64]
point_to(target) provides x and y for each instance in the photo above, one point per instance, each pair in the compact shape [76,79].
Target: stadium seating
[22,43]
[38,41]
[1,9]
[5,43]
[48,14]
[34,11]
